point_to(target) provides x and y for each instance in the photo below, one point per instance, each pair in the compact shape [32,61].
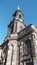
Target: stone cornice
[23,33]
[28,29]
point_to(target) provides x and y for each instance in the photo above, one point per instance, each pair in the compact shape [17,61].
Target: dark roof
[16,12]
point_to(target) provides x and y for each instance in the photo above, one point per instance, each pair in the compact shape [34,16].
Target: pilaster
[9,54]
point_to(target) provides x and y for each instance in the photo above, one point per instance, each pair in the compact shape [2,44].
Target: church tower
[17,23]
[20,45]
[15,26]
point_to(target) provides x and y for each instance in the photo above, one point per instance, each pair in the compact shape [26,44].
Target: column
[1,56]
[34,48]
[9,54]
[14,60]
[18,54]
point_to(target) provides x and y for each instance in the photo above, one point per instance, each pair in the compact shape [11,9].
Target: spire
[18,8]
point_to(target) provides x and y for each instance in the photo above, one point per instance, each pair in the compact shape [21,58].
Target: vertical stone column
[24,52]
[9,55]
[14,60]
[18,49]
[34,42]
[20,53]
[1,55]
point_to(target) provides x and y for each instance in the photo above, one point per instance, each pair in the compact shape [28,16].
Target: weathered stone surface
[20,44]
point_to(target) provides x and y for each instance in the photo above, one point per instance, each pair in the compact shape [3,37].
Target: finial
[18,8]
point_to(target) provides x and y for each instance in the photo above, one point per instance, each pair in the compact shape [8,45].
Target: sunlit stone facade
[20,45]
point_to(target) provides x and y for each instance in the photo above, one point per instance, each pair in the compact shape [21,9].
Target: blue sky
[7,8]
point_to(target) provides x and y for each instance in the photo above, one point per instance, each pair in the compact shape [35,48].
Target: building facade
[20,44]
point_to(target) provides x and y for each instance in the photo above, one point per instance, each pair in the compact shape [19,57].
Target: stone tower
[18,47]
[17,24]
